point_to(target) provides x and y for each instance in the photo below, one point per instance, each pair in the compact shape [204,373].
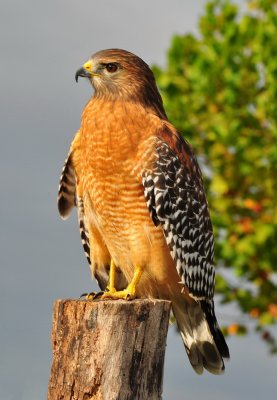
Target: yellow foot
[126,294]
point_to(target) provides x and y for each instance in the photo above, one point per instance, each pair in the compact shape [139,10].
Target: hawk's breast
[109,161]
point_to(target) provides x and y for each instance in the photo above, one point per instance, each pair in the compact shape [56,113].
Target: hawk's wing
[175,197]
[68,198]
[67,188]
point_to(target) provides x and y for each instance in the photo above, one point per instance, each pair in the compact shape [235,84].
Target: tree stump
[108,350]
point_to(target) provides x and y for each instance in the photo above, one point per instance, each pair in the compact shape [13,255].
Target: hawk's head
[119,74]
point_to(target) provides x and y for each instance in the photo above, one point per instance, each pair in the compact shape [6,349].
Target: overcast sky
[42,45]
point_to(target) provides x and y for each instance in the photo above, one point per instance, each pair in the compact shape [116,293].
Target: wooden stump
[108,350]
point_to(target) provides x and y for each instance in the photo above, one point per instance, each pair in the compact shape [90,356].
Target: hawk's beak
[85,71]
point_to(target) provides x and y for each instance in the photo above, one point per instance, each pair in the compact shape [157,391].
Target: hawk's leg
[129,292]
[111,288]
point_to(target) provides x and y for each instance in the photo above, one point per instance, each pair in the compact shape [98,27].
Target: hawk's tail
[202,337]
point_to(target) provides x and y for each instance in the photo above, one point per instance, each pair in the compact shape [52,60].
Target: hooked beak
[85,71]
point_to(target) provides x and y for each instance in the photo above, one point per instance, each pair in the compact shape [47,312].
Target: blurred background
[216,67]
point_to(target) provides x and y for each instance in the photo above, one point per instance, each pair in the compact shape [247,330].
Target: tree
[220,91]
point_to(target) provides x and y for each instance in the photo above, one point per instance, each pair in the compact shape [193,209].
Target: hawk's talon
[91,295]
[87,296]
[127,294]
[117,295]
[98,295]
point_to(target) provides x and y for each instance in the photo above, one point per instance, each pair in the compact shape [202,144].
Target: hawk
[143,215]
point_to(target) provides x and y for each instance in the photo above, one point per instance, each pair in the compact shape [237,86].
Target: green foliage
[220,91]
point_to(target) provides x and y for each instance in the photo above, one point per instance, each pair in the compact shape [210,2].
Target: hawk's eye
[111,67]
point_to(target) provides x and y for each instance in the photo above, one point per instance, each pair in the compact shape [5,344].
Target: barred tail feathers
[208,310]
[203,340]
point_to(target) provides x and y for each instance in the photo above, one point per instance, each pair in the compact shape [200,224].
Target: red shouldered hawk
[143,214]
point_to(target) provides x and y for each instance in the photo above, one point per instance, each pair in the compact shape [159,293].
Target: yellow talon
[126,294]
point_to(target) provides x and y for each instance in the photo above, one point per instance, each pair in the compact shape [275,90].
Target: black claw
[87,295]
[83,295]
[97,295]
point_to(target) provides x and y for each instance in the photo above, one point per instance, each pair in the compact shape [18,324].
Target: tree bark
[108,350]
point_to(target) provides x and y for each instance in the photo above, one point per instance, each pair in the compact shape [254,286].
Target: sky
[42,44]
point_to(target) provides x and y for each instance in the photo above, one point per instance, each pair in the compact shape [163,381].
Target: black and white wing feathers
[68,198]
[175,197]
